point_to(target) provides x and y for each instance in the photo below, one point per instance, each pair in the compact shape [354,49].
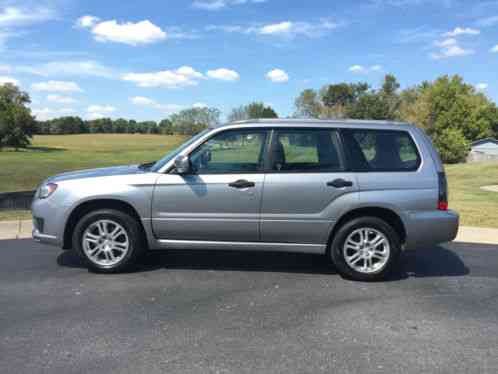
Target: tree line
[451,111]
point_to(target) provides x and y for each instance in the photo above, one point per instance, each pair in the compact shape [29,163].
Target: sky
[147,59]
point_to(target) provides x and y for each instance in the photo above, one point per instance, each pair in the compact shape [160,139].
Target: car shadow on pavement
[430,262]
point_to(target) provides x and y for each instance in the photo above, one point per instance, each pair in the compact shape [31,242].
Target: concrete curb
[478,235]
[16,229]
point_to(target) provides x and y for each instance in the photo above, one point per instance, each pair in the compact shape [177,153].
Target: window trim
[338,141]
[265,131]
[349,155]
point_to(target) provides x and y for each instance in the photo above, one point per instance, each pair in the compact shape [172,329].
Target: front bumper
[48,221]
[426,229]
[44,238]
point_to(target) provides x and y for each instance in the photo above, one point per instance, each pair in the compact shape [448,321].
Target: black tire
[337,255]
[133,230]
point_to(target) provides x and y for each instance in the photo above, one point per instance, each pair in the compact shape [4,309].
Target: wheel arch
[386,214]
[97,204]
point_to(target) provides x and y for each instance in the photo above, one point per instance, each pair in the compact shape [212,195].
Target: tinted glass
[306,151]
[377,150]
[230,152]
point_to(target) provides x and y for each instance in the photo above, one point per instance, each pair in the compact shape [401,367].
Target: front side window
[231,151]
[381,150]
[306,151]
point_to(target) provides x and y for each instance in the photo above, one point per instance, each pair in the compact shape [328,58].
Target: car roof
[316,123]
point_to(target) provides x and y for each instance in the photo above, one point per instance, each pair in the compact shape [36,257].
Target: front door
[220,200]
[306,188]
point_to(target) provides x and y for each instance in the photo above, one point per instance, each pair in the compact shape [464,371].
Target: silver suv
[356,191]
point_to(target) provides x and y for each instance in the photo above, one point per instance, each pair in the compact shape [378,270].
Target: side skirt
[240,246]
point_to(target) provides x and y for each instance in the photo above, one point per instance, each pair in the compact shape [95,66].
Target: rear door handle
[339,183]
[242,183]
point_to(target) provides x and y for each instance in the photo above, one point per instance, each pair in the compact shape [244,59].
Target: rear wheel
[365,249]
[108,240]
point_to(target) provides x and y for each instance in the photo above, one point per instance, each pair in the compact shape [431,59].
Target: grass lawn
[51,155]
[54,154]
[476,207]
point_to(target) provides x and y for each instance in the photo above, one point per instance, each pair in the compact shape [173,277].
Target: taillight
[442,203]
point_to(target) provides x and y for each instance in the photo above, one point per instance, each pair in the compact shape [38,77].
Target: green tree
[253,110]
[308,104]
[17,125]
[257,110]
[166,127]
[194,120]
[238,114]
[449,103]
[451,145]
[370,106]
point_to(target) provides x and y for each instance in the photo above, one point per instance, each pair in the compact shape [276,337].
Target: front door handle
[242,183]
[339,183]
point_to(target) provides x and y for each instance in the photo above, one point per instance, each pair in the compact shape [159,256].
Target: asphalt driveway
[229,312]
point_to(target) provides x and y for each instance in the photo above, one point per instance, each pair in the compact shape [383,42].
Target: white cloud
[5,68]
[446,43]
[143,32]
[47,113]
[95,115]
[60,99]
[277,76]
[223,74]
[452,51]
[56,86]
[86,21]
[16,16]
[462,31]
[292,29]
[150,103]
[165,108]
[143,101]
[101,109]
[360,69]
[69,68]
[184,76]
[220,4]
[6,79]
[284,29]
[494,49]
[277,28]
[482,86]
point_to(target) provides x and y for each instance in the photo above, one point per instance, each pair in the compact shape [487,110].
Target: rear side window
[295,150]
[381,150]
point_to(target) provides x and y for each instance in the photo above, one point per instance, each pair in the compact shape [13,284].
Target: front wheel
[108,240]
[365,249]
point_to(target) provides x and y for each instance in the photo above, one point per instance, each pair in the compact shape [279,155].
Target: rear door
[306,186]
[390,170]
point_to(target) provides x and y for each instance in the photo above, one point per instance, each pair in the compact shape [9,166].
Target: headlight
[46,190]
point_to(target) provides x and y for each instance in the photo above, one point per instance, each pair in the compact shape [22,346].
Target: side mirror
[182,165]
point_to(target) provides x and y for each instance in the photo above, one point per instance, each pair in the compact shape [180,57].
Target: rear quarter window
[381,150]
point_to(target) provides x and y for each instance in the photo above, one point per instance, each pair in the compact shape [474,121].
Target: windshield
[159,164]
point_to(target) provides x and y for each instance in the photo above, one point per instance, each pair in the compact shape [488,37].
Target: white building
[484,150]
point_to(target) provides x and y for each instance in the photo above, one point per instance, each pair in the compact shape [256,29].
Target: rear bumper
[425,229]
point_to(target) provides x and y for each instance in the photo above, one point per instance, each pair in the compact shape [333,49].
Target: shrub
[452,145]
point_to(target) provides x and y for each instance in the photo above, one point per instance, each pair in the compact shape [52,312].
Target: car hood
[94,173]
